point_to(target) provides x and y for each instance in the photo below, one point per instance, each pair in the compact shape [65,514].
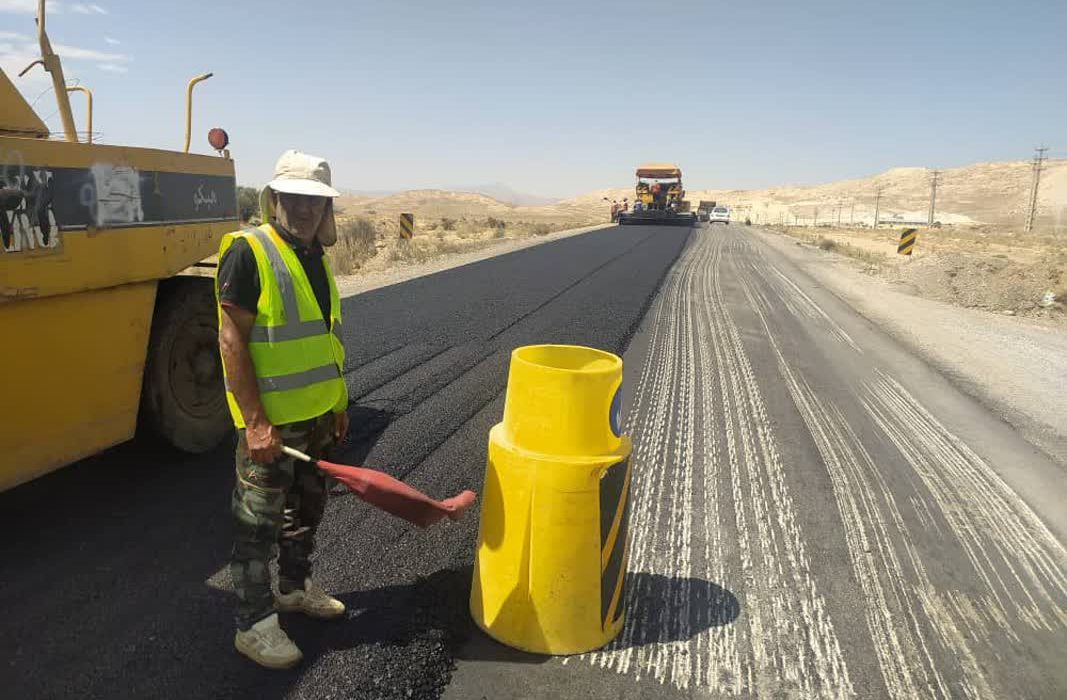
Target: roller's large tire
[183,400]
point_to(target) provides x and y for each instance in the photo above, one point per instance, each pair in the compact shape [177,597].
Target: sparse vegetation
[981,267]
[356,244]
[367,244]
[409,251]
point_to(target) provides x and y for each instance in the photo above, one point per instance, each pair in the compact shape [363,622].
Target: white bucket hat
[300,173]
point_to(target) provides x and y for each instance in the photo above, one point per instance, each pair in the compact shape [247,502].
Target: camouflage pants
[277,505]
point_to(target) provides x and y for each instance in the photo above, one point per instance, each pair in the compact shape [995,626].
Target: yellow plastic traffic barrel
[549,575]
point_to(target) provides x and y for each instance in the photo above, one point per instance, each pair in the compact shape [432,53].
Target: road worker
[279,335]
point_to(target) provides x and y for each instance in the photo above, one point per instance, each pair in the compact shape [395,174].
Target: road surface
[816,513]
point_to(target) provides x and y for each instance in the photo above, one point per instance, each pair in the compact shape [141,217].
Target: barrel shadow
[663,609]
[660,609]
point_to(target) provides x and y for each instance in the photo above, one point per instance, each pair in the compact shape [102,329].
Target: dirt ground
[990,268]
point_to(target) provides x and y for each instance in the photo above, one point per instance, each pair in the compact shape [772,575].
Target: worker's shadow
[435,610]
[366,425]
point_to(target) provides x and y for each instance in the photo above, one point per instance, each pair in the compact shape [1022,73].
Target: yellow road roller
[108,319]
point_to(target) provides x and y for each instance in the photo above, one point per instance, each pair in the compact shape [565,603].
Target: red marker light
[218,139]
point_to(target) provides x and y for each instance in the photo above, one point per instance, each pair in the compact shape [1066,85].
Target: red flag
[392,495]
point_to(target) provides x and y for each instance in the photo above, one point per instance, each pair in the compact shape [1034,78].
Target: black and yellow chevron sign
[407,225]
[614,522]
[907,241]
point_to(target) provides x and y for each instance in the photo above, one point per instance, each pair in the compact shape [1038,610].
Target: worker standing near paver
[279,335]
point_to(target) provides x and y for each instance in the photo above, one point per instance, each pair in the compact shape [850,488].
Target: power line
[1035,182]
[934,178]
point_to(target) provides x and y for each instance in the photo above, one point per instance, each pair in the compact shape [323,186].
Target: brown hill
[994,193]
[437,204]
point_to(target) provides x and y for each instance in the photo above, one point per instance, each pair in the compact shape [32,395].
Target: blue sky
[558,98]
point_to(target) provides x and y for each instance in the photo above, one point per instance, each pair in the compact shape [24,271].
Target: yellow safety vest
[298,358]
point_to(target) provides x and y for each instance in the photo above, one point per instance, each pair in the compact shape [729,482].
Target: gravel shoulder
[348,285]
[1015,366]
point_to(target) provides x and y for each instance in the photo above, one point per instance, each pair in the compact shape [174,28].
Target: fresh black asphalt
[113,581]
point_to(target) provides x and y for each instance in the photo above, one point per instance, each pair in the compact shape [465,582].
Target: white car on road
[719,214]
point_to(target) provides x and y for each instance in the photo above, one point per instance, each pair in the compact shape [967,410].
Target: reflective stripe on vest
[280,365]
[294,328]
[296,380]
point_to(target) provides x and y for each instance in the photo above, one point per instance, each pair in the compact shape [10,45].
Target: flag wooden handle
[297,454]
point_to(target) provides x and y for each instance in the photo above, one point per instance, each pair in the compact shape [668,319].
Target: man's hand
[340,427]
[264,442]
[263,439]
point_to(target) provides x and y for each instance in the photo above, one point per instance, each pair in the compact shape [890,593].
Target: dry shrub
[448,224]
[355,245]
[826,244]
[406,250]
[541,229]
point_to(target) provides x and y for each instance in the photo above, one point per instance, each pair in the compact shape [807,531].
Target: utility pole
[1039,159]
[933,194]
[796,220]
[815,217]
[877,204]
[840,206]
[852,213]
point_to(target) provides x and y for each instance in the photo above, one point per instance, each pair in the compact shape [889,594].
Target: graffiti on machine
[27,218]
[39,205]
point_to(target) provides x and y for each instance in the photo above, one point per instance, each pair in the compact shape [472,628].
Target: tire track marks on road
[729,463]
[931,640]
[1020,562]
[950,566]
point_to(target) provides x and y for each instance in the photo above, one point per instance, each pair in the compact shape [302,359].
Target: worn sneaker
[268,645]
[311,601]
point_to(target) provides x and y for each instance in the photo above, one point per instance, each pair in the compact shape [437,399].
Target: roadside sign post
[908,238]
[407,226]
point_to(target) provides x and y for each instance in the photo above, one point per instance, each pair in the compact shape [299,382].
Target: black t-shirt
[239,277]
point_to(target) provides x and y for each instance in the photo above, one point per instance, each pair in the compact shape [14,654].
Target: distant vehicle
[704,209]
[719,215]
